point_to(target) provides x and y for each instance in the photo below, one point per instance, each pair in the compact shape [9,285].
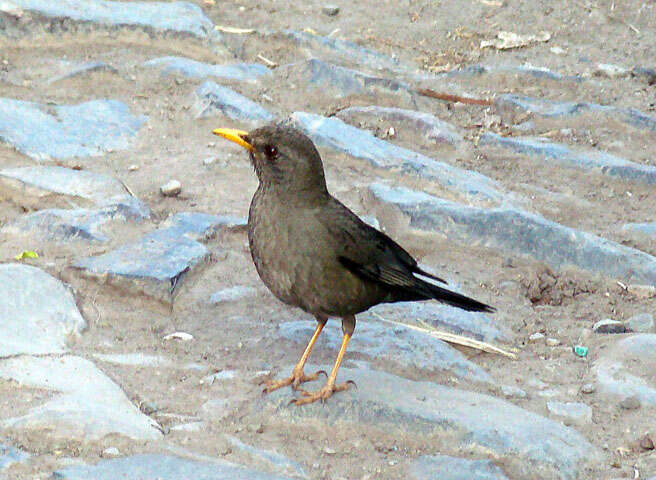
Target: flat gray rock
[77,69]
[433,129]
[161,467]
[213,99]
[345,51]
[37,312]
[87,129]
[628,369]
[570,413]
[275,461]
[532,445]
[157,263]
[338,81]
[33,187]
[442,467]
[477,325]
[75,224]
[243,72]
[526,71]
[10,455]
[509,104]
[200,225]
[403,347]
[648,229]
[517,231]
[646,73]
[66,187]
[80,187]
[561,154]
[170,17]
[86,403]
[335,134]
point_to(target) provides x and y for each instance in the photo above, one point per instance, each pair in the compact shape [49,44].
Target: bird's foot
[322,394]
[297,377]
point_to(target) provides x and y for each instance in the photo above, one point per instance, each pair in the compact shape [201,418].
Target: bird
[314,253]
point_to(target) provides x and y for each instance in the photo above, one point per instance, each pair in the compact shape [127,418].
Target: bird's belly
[297,271]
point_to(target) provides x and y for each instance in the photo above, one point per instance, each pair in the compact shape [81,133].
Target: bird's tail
[426,291]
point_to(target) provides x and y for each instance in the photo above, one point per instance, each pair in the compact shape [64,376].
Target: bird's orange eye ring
[270,151]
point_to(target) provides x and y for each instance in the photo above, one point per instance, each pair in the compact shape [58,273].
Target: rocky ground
[135,335]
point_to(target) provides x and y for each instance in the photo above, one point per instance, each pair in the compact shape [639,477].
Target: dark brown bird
[314,253]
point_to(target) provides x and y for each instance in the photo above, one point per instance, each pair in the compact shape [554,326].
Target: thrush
[312,252]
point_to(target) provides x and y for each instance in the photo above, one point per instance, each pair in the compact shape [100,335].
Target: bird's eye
[271,152]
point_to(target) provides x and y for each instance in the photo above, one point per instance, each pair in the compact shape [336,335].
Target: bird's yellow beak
[236,136]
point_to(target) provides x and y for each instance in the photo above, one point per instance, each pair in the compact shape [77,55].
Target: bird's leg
[298,376]
[348,327]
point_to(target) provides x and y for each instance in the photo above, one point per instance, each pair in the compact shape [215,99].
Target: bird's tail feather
[426,291]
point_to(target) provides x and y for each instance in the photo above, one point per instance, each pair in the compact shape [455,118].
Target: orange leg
[298,376]
[348,326]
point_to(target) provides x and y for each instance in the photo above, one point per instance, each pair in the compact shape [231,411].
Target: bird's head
[284,158]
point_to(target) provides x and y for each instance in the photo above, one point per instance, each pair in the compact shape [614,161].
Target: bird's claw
[297,377]
[322,394]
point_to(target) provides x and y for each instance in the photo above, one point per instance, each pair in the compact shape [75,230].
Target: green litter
[580,351]
[26,254]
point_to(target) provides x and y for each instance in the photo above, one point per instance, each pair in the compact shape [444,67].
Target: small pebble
[552,342]
[171,188]
[609,326]
[536,336]
[610,71]
[329,451]
[184,336]
[646,443]
[588,388]
[110,452]
[133,168]
[630,403]
[330,10]
[557,51]
[148,408]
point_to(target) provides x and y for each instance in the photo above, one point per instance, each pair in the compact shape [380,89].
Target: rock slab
[534,446]
[434,130]
[161,467]
[442,467]
[561,154]
[37,312]
[245,72]
[158,262]
[517,231]
[172,17]
[88,129]
[335,134]
[87,404]
[628,369]
[214,99]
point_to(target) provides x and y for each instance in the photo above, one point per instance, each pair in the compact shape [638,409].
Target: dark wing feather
[375,257]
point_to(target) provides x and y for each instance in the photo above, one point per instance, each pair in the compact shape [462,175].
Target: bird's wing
[373,256]
[369,252]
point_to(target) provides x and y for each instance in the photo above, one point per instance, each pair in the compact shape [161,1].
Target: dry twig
[449,97]
[453,338]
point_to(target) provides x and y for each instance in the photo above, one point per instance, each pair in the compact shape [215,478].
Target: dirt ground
[239,335]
